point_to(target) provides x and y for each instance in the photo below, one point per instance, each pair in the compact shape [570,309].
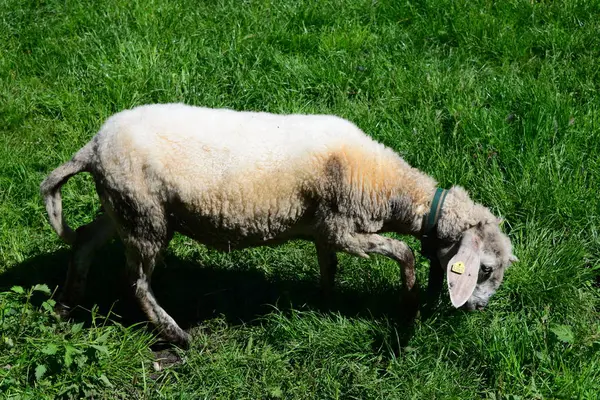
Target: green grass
[500,97]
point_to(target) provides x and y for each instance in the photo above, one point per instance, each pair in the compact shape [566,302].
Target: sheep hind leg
[90,238]
[142,255]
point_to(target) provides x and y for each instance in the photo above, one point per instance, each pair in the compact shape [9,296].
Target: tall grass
[499,97]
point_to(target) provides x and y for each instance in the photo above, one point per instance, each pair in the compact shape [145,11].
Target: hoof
[166,358]
[183,342]
[63,310]
[411,297]
[410,302]
[180,339]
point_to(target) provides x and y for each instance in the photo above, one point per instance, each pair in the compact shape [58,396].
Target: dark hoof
[180,339]
[63,310]
[183,343]
[164,359]
[327,300]
[411,297]
[410,304]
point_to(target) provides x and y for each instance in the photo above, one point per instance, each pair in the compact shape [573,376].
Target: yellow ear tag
[458,268]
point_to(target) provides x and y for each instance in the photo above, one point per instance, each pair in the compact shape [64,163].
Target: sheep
[232,180]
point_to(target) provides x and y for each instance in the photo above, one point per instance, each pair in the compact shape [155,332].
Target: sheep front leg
[364,244]
[328,268]
[436,281]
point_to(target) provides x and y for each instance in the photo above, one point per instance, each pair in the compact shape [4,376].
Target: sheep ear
[462,270]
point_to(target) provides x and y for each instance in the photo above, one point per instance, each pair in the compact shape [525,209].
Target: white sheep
[233,179]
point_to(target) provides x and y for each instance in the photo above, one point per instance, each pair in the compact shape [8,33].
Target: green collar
[428,236]
[435,210]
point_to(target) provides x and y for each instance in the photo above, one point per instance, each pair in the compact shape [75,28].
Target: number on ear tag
[458,268]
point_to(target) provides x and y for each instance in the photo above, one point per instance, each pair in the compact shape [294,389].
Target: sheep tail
[50,191]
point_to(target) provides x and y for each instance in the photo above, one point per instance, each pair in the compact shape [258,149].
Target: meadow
[500,97]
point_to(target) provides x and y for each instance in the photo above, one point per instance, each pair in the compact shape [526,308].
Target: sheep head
[473,250]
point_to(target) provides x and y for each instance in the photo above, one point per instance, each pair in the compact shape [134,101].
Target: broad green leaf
[17,289]
[104,379]
[81,360]
[102,338]
[564,333]
[276,392]
[48,305]
[69,352]
[76,328]
[101,349]
[40,370]
[41,288]
[50,349]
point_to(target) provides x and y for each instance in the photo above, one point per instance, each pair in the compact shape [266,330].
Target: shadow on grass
[192,292]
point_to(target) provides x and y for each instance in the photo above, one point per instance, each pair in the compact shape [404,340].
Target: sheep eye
[486,269]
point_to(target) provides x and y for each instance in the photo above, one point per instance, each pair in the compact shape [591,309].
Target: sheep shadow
[192,292]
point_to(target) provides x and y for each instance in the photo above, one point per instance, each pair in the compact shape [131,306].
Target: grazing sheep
[233,179]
